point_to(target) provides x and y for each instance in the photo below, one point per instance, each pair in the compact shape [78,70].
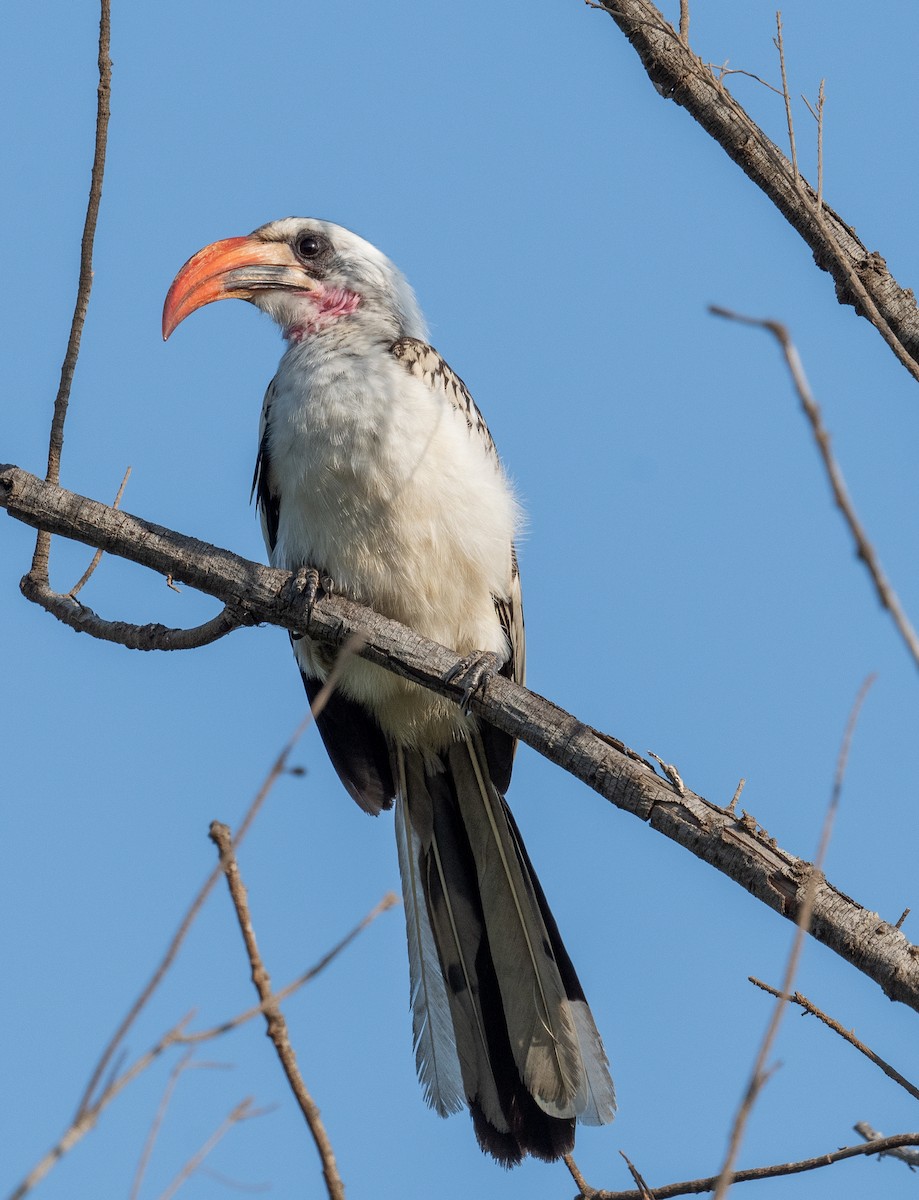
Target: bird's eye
[309,245]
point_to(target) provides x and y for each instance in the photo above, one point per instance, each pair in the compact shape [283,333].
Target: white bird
[376,468]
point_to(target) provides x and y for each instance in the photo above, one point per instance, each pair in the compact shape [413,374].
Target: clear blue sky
[688,584]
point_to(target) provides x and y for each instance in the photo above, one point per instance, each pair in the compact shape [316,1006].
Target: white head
[310,276]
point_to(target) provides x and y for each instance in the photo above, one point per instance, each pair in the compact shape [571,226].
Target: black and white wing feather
[423,362]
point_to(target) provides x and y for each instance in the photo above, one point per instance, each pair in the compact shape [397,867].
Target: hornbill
[376,469]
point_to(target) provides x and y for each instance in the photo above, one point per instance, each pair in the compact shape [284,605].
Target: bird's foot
[473,674]
[307,584]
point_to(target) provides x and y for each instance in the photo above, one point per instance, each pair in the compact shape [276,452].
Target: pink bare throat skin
[328,304]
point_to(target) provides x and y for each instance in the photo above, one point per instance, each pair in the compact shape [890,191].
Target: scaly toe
[473,673]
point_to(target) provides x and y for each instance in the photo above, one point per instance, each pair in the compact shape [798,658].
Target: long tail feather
[539,1020]
[487,960]
[435,1045]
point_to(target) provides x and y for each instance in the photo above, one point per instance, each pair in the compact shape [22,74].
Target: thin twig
[274,1017]
[821,101]
[780,46]
[390,900]
[177,1036]
[156,1123]
[758,1074]
[863,547]
[277,769]
[586,1192]
[722,71]
[684,22]
[97,557]
[845,1034]
[84,287]
[817,114]
[242,1112]
[249,1189]
[732,807]
[643,1190]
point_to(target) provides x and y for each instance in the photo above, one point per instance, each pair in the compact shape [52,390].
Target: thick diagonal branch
[735,846]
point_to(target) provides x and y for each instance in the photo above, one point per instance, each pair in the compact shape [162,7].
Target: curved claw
[307,582]
[473,673]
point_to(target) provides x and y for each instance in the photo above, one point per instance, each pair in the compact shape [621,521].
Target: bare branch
[274,1017]
[862,278]
[156,1123]
[277,769]
[82,619]
[817,114]
[95,1099]
[84,287]
[732,807]
[585,1191]
[780,46]
[882,586]
[723,71]
[242,1112]
[390,900]
[905,1154]
[738,847]
[845,1034]
[696,1187]
[759,1074]
[643,1190]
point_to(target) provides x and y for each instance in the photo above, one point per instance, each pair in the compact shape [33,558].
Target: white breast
[385,488]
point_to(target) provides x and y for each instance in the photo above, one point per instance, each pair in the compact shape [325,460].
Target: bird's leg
[473,673]
[308,583]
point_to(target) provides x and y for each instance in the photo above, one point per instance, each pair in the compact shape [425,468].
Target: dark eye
[309,245]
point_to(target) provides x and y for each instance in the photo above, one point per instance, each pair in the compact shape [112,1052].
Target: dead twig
[865,551]
[274,1018]
[732,807]
[817,114]
[277,769]
[905,1154]
[97,557]
[695,1187]
[758,1075]
[156,1123]
[643,1190]
[721,72]
[585,1191]
[390,900]
[780,46]
[84,286]
[846,1034]
[242,1112]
